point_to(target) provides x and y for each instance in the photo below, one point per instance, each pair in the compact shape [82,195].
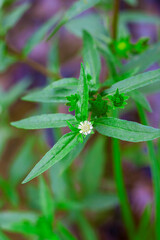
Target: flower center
[85,127]
[122,46]
[118,101]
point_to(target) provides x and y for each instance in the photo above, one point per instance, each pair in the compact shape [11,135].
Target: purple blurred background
[138,179]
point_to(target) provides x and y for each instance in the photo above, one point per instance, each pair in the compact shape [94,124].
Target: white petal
[89,131]
[81,131]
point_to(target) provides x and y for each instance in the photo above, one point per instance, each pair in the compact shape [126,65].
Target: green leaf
[9,192]
[138,17]
[126,130]
[5,58]
[142,61]
[39,35]
[132,2]
[14,93]
[86,229]
[14,16]
[93,163]
[83,92]
[58,174]
[91,57]
[152,89]
[46,201]
[3,237]
[49,96]
[58,181]
[77,8]
[135,82]
[111,60]
[68,159]
[100,202]
[56,120]
[144,226]
[91,22]
[141,99]
[22,162]
[59,151]
[53,58]
[9,219]
[64,232]
[63,83]
[73,106]
[5,134]
[1,3]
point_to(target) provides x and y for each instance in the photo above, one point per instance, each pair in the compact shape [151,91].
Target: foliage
[92,120]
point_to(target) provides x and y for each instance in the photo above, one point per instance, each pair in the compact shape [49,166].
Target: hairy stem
[155,173]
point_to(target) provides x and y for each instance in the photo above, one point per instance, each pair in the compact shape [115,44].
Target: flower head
[118,100]
[122,47]
[99,107]
[86,127]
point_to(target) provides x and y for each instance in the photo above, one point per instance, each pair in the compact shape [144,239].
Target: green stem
[155,173]
[122,194]
[115,18]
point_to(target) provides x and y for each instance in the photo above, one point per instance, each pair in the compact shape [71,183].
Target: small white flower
[86,127]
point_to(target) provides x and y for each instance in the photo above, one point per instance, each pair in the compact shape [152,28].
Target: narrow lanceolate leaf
[132,83]
[56,120]
[91,57]
[131,2]
[100,201]
[49,96]
[46,200]
[83,92]
[63,83]
[59,150]
[9,219]
[13,17]
[64,232]
[77,8]
[138,17]
[91,22]
[1,3]
[126,130]
[140,98]
[68,159]
[93,162]
[6,99]
[39,35]
[111,60]
[25,157]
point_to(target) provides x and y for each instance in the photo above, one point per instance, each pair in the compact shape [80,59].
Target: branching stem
[36,66]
